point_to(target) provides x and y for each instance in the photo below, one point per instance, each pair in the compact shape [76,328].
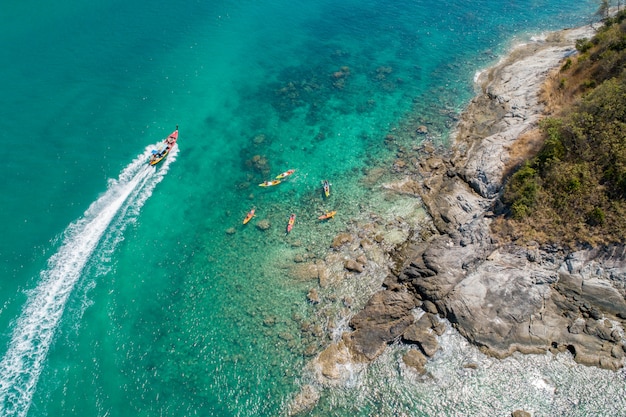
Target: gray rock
[385,317]
[353,266]
[429,344]
[617,352]
[313,296]
[584,275]
[416,360]
[578,326]
[509,298]
[429,307]
[422,334]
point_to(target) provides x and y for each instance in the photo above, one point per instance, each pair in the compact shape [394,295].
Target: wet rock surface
[385,317]
[416,360]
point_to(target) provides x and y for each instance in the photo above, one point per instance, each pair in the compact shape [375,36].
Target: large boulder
[596,278]
[421,333]
[334,365]
[416,360]
[385,317]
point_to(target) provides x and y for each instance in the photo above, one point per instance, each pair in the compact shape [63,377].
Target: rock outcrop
[502,297]
[507,298]
[386,316]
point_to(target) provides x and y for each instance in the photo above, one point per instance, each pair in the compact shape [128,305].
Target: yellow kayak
[249,216]
[269,183]
[285,174]
[329,215]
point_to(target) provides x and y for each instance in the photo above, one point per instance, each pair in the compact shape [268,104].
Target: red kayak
[292,220]
[168,144]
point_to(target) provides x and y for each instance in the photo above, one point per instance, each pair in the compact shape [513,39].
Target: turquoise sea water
[129,290]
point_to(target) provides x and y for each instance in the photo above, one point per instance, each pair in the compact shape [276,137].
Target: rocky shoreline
[501,296]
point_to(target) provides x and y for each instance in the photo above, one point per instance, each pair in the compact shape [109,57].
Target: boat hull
[169,143]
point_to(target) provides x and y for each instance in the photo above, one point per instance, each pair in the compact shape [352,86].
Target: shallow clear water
[164,310]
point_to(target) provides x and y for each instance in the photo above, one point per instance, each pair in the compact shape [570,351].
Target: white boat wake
[34,330]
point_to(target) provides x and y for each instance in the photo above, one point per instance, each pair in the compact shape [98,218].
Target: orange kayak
[328,215]
[292,220]
[249,216]
[269,183]
[285,174]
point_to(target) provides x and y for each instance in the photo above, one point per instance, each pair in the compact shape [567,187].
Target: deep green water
[122,293]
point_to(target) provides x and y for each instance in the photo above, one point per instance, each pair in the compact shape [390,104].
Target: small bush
[553,148]
[589,84]
[596,217]
[521,191]
[567,65]
[583,45]
[573,185]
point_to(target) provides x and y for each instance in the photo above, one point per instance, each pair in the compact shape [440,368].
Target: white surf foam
[35,328]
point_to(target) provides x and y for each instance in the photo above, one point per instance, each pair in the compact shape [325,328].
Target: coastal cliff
[501,296]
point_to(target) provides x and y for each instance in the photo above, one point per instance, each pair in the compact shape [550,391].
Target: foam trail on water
[35,328]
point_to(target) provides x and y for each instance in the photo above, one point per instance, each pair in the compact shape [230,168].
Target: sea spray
[35,328]
[460,380]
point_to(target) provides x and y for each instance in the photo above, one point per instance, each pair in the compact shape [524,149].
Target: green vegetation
[574,190]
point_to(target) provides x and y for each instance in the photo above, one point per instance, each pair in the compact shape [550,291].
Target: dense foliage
[574,190]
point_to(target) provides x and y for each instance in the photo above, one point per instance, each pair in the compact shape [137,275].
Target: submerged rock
[263,224]
[313,296]
[353,266]
[341,239]
[304,271]
[304,401]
